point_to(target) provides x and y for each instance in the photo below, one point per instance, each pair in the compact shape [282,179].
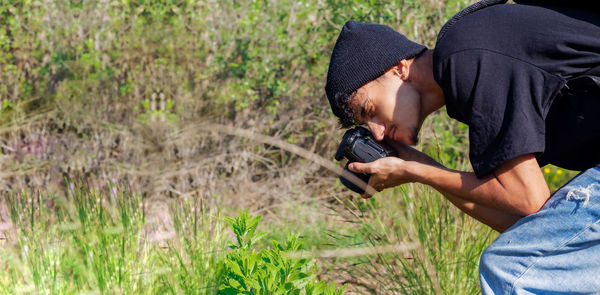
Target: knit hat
[362,53]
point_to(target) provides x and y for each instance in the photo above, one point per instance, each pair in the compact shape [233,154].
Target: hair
[342,100]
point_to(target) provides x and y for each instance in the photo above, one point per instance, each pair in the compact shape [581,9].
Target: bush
[267,271]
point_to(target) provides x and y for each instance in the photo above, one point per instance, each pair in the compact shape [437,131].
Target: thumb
[360,167]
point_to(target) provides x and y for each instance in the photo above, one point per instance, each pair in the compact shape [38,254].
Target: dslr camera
[358,145]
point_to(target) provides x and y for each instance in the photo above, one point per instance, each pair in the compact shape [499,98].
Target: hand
[385,172]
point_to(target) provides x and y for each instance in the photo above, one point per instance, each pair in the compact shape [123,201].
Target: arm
[496,219]
[516,188]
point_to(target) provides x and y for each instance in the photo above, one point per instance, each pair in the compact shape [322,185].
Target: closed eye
[366,110]
[371,112]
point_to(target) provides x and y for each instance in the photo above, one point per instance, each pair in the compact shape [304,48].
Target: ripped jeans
[554,251]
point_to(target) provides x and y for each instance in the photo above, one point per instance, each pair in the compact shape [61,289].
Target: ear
[404,69]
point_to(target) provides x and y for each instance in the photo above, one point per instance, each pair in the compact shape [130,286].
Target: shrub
[267,271]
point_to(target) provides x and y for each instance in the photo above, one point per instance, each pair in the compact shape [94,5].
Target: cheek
[387,105]
[407,105]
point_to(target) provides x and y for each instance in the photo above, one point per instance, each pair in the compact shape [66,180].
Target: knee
[486,262]
[493,272]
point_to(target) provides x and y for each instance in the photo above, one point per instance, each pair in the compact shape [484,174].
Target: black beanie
[362,53]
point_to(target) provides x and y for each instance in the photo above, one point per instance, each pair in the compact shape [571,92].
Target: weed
[268,271]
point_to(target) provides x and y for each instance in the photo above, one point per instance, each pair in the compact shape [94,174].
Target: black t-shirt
[502,67]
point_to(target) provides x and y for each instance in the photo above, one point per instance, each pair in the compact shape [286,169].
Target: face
[390,106]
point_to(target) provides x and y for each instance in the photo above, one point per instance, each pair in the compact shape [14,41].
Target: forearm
[496,219]
[516,187]
[488,192]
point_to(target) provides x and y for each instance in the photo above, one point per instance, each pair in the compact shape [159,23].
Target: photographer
[507,71]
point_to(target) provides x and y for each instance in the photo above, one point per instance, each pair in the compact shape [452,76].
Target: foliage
[267,271]
[193,260]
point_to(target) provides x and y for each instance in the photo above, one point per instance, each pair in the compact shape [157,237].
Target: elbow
[533,202]
[529,209]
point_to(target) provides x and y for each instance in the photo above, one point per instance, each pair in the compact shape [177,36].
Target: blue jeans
[554,251]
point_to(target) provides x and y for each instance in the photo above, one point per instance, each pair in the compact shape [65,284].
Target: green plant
[194,256]
[267,271]
[82,241]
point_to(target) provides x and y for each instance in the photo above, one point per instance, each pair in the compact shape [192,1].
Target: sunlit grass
[93,241]
[100,242]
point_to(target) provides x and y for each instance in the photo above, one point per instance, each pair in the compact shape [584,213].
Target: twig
[330,165]
[351,252]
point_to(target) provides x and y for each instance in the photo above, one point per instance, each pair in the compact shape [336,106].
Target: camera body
[358,145]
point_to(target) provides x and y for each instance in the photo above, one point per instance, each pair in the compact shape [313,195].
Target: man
[502,70]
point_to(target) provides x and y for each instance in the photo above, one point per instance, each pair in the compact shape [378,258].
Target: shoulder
[512,27]
[489,28]
[520,33]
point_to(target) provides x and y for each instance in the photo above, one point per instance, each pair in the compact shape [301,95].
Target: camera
[358,145]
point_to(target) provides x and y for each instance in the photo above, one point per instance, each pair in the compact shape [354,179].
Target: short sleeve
[503,100]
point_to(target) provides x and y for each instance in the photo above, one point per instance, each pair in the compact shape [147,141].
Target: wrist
[423,172]
[412,170]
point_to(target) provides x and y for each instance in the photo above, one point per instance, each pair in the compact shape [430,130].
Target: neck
[432,96]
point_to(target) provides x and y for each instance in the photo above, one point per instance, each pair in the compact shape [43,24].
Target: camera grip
[351,185]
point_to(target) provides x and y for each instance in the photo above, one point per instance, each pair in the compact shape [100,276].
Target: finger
[360,167]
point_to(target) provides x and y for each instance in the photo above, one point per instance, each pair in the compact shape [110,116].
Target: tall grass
[449,243]
[90,241]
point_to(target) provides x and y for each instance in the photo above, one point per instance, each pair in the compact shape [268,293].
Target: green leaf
[235,268]
[297,276]
[228,291]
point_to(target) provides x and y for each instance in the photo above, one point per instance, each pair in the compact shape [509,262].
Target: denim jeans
[554,251]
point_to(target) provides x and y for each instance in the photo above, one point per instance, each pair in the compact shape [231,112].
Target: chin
[415,137]
[410,141]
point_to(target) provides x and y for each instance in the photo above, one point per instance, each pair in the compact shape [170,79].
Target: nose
[377,129]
